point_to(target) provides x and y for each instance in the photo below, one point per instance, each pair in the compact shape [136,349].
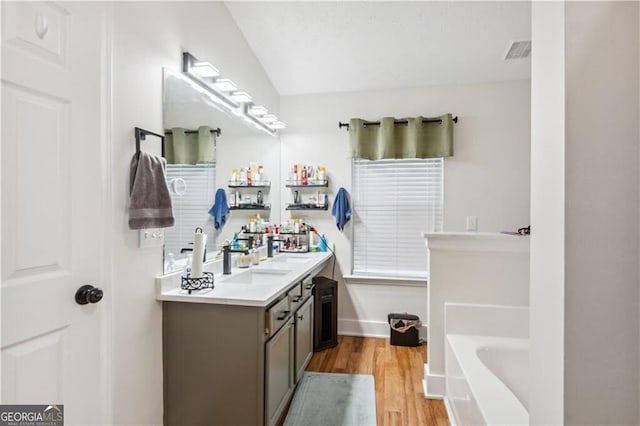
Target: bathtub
[487,380]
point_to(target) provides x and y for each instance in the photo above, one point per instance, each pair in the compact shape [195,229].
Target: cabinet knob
[300,317]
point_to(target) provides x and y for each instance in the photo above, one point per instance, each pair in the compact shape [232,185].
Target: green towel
[190,148]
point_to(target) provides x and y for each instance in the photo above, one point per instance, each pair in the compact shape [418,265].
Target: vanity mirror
[190,113]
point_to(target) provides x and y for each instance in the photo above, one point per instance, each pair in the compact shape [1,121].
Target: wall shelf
[306,207]
[252,206]
[311,184]
[262,184]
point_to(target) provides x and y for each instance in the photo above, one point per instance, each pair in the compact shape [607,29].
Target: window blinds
[394,202]
[191,204]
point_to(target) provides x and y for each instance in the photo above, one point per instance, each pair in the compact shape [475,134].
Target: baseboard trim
[435,384]
[450,414]
[349,327]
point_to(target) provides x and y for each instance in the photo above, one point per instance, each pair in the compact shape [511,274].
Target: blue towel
[341,210]
[220,209]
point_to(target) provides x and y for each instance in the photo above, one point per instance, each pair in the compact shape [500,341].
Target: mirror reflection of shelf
[251,206]
[261,184]
[312,183]
[306,207]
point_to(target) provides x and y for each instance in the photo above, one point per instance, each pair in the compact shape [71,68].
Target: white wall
[601,213]
[488,176]
[474,268]
[584,271]
[147,37]
[547,214]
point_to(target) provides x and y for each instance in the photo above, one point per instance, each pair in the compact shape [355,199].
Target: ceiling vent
[519,50]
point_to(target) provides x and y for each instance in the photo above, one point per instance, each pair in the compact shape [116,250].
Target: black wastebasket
[404,329]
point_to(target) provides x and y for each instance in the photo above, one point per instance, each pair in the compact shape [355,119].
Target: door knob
[88,294]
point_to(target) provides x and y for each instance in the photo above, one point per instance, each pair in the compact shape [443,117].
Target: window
[192,189]
[394,201]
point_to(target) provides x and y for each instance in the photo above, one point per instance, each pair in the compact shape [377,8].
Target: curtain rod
[217,131]
[377,123]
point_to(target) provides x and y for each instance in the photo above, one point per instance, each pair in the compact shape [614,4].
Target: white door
[53,349]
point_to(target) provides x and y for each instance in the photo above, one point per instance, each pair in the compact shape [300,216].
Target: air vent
[519,50]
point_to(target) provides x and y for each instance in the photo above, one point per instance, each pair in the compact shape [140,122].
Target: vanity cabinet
[304,337]
[279,371]
[235,365]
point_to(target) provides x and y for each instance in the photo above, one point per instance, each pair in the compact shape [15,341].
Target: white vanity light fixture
[205,69]
[278,125]
[242,97]
[257,110]
[269,118]
[225,84]
[225,92]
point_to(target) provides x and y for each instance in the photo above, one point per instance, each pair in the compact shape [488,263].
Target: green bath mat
[327,399]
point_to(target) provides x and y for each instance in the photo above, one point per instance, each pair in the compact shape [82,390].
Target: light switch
[153,237]
[472,223]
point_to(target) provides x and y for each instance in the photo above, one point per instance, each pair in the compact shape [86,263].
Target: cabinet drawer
[277,316]
[295,297]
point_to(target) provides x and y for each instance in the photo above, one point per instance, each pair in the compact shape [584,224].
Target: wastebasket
[404,329]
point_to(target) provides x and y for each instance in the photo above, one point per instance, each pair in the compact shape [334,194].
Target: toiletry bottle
[171,262]
[296,226]
[187,268]
[305,181]
[323,243]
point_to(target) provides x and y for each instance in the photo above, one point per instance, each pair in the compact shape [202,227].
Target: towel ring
[178,186]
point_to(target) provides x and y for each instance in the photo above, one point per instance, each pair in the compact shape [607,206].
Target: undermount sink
[295,258]
[257,276]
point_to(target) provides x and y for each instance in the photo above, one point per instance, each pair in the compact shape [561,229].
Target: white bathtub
[487,380]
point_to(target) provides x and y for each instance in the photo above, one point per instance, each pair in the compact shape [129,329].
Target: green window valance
[184,146]
[415,139]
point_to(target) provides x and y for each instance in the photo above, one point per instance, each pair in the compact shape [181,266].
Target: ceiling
[321,47]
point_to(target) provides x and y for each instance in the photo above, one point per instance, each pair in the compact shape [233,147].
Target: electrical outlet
[472,223]
[153,237]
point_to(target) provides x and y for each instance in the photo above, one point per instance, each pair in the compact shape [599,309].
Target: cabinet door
[279,371]
[304,337]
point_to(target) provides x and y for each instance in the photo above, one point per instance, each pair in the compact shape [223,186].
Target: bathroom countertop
[279,273]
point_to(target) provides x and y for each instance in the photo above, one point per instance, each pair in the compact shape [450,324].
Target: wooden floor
[398,372]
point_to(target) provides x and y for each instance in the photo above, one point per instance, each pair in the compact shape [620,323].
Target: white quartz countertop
[268,281]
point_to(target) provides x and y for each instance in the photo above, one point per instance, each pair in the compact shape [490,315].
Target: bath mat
[328,399]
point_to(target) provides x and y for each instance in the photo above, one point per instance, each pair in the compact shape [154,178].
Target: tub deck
[475,392]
